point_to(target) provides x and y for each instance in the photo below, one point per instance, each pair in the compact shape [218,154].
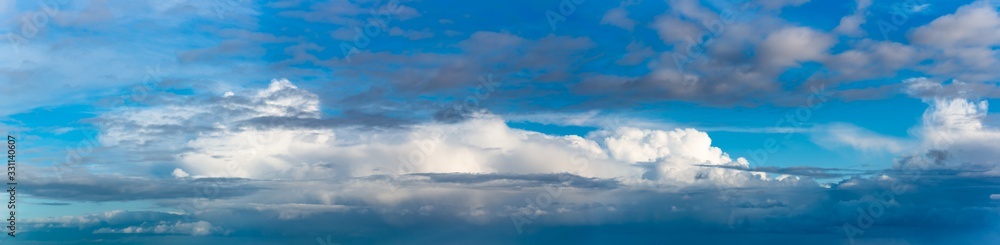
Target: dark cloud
[514,180]
[940,206]
[103,188]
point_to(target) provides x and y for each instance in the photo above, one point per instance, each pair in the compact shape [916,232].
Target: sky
[503,122]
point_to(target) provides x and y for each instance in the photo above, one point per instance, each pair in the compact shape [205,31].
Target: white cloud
[477,171]
[674,154]
[931,88]
[955,115]
[200,228]
[858,138]
[976,24]
[955,136]
[482,144]
[851,24]
[178,173]
[144,126]
[619,17]
[964,43]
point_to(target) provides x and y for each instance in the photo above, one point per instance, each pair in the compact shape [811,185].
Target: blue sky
[655,121]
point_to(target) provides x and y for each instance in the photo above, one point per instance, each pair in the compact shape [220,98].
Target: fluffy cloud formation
[954,132]
[298,176]
[955,137]
[226,146]
[963,42]
[348,153]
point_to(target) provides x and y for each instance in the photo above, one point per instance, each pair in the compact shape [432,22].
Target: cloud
[121,222]
[411,34]
[619,17]
[929,89]
[674,154]
[178,173]
[954,136]
[956,115]
[851,24]
[971,25]
[842,134]
[280,99]
[777,4]
[229,141]
[364,163]
[472,176]
[200,228]
[811,172]
[790,46]
[637,54]
[963,42]
[82,186]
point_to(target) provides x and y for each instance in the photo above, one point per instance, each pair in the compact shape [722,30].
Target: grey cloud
[512,180]
[932,203]
[102,188]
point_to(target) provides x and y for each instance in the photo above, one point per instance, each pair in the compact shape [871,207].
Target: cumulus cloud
[280,165]
[955,136]
[474,175]
[971,25]
[225,146]
[676,155]
[482,144]
[963,42]
[178,173]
